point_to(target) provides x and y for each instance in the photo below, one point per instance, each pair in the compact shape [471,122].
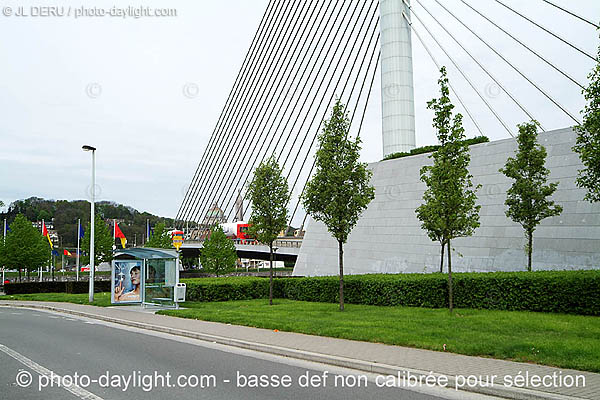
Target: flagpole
[4,242]
[78,236]
[49,260]
[114,232]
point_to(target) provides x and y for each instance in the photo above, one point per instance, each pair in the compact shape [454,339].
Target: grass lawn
[100,299]
[566,341]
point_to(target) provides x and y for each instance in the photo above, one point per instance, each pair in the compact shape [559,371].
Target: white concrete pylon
[397,92]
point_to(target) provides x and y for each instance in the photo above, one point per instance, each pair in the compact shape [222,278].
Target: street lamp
[93,200]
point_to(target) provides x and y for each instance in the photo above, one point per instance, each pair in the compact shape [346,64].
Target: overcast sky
[147,92]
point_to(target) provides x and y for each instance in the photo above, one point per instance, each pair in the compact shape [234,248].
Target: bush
[55,287]
[571,292]
[431,149]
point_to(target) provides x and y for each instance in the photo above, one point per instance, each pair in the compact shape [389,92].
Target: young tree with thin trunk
[587,144]
[25,247]
[527,198]
[448,210]
[339,191]
[269,195]
[218,252]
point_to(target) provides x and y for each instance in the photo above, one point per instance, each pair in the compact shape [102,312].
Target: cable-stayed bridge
[305,54]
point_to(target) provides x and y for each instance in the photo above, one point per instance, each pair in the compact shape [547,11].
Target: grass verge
[100,299]
[565,341]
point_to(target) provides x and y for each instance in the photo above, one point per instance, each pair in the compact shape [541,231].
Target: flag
[66,253]
[45,233]
[119,234]
[81,232]
[54,253]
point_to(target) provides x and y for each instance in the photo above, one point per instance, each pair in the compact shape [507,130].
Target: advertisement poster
[126,281]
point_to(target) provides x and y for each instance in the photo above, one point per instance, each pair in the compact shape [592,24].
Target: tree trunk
[442,259]
[450,298]
[19,275]
[341,253]
[529,250]
[271,273]
[28,275]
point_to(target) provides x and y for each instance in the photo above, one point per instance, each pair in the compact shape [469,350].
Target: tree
[448,210]
[160,238]
[218,253]
[587,144]
[527,198]
[269,195]
[25,247]
[339,191]
[103,242]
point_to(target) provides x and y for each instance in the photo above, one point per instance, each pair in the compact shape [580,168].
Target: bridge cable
[281,94]
[338,81]
[374,51]
[572,14]
[489,106]
[547,31]
[511,65]
[480,65]
[524,45]
[272,50]
[261,78]
[328,108]
[301,78]
[439,66]
[239,98]
[351,121]
[333,94]
[248,59]
[325,60]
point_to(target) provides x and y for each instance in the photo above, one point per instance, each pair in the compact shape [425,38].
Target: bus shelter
[145,276]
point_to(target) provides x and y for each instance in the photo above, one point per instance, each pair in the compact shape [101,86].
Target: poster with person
[126,281]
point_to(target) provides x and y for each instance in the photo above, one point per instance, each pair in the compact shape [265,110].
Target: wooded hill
[64,214]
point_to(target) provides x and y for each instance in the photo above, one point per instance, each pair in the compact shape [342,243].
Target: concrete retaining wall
[389,239]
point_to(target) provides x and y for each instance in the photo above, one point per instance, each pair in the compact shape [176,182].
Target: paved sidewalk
[372,357]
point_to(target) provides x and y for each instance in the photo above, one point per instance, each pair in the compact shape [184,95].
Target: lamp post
[92,215]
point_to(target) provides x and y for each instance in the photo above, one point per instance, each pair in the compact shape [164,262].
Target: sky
[147,92]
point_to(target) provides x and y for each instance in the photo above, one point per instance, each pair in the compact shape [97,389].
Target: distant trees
[160,238]
[339,191]
[448,210]
[103,243]
[269,195]
[587,144]
[527,198]
[218,252]
[25,247]
[64,215]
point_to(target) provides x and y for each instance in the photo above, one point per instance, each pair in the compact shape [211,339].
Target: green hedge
[572,292]
[55,287]
[229,288]
[431,149]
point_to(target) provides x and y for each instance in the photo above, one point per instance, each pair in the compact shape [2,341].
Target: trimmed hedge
[55,287]
[570,292]
[229,288]
[432,148]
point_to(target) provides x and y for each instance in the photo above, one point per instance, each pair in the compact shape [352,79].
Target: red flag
[119,234]
[45,233]
[66,253]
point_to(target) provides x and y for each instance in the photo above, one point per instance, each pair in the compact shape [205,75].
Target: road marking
[15,313]
[76,390]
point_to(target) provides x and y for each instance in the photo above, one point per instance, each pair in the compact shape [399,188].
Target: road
[47,351]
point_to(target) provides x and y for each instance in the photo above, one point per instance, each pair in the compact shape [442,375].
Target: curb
[367,366]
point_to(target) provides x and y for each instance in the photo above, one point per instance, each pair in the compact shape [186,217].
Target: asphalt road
[113,363]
